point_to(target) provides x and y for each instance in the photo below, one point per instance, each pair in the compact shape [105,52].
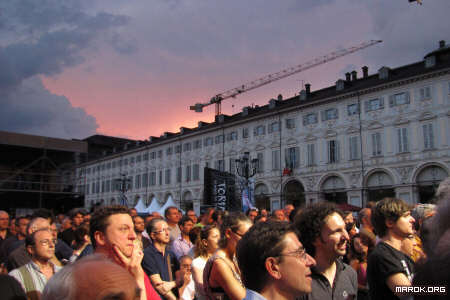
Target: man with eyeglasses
[159,262]
[273,263]
[322,231]
[34,275]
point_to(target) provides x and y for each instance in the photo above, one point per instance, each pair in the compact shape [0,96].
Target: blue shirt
[155,263]
[252,295]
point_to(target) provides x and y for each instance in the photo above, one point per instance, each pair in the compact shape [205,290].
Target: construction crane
[217,99]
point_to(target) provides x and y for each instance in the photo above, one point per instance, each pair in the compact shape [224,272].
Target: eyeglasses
[47,242]
[299,253]
[159,231]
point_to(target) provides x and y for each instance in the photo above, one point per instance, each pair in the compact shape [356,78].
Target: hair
[362,214]
[249,210]
[218,214]
[21,218]
[263,240]
[421,212]
[79,235]
[11,288]
[194,233]
[32,224]
[30,239]
[183,220]
[45,214]
[152,225]
[200,249]
[295,212]
[310,222]
[232,220]
[387,209]
[183,257]
[166,212]
[99,220]
[62,286]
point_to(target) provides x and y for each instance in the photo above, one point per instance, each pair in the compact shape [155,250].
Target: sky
[74,68]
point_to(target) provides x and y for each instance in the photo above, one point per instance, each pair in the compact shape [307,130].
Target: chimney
[272,103]
[308,88]
[347,76]
[280,97]
[354,75]
[365,71]
[441,44]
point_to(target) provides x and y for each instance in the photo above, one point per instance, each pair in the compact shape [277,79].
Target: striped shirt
[38,278]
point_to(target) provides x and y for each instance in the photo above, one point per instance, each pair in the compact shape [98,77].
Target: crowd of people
[314,252]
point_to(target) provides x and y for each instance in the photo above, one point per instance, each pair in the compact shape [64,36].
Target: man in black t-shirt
[387,266]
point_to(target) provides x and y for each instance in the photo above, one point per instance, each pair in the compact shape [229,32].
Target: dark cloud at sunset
[135,67]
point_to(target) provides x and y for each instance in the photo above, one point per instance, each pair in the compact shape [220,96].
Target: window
[333,151]
[160,177]
[153,155]
[399,99]
[178,149]
[244,133]
[402,139]
[178,174]
[138,158]
[310,119]
[145,156]
[187,147]
[113,164]
[425,93]
[132,160]
[329,114]
[167,176]
[152,178]
[354,147]
[145,180]
[196,172]
[292,157]
[108,186]
[108,166]
[219,165]
[206,164]
[376,144]
[259,130]
[125,162]
[260,166]
[198,144]
[219,139]
[274,127]
[310,153]
[188,173]
[290,123]
[103,187]
[159,153]
[169,151]
[352,109]
[428,136]
[232,165]
[137,181]
[208,141]
[232,136]
[374,104]
[275,160]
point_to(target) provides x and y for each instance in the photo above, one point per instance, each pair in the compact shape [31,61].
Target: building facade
[367,137]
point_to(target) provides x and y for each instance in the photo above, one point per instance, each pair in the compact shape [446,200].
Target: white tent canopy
[140,206]
[168,203]
[154,206]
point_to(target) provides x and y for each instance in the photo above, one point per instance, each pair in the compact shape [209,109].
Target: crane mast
[232,93]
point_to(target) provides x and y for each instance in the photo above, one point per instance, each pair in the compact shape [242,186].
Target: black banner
[220,190]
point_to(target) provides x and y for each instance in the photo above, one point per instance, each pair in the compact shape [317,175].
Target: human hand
[132,263]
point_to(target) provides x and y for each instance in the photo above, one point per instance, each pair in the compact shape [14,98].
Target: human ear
[272,267]
[100,238]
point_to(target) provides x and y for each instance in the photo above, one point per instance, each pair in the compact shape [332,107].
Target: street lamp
[124,185]
[247,168]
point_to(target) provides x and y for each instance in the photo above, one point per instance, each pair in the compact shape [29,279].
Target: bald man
[92,277]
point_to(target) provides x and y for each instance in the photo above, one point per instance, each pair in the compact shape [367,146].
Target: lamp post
[124,185]
[247,168]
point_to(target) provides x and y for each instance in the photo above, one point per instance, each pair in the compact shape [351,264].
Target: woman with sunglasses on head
[206,244]
[221,276]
